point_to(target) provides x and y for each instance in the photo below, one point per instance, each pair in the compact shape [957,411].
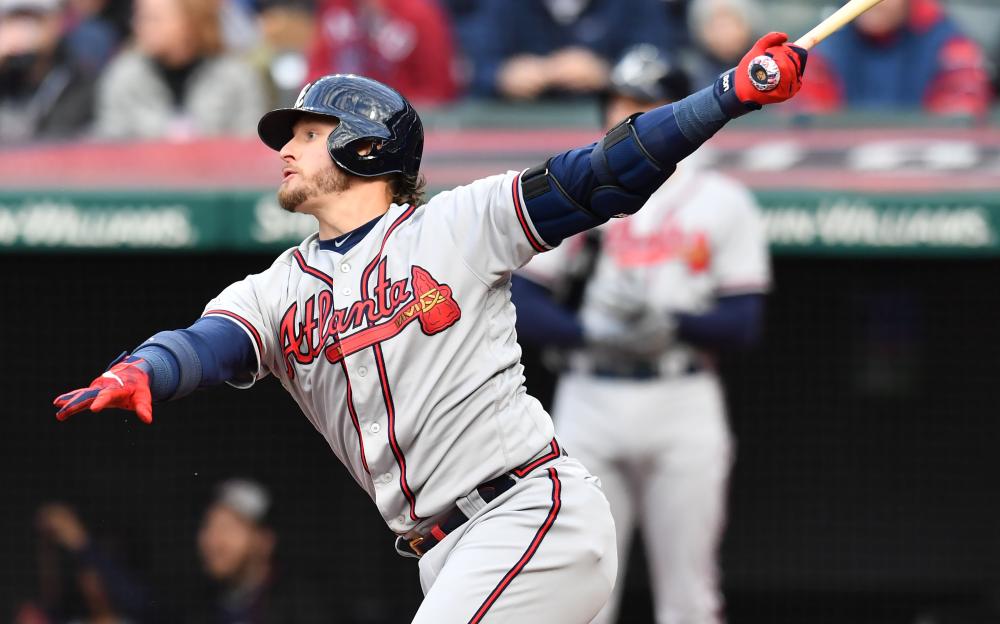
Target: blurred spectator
[899,54]
[539,47]
[178,82]
[80,581]
[287,28]
[722,31]
[406,44]
[43,94]
[239,25]
[236,543]
[91,35]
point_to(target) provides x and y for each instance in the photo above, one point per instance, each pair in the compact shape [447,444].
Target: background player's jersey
[700,236]
[402,350]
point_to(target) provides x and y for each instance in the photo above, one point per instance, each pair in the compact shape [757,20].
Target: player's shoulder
[306,248]
[481,189]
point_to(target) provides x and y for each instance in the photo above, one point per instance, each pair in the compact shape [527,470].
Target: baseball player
[392,328]
[645,413]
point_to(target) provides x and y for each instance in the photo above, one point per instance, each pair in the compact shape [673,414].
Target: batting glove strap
[729,102]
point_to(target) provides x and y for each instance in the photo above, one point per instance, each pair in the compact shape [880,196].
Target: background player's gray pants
[542,552]
[662,450]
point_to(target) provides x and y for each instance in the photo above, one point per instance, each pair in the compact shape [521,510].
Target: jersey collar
[345,242]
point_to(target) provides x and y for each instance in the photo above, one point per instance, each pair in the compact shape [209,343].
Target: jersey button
[346,292]
[362,371]
[374,428]
[345,268]
[387,478]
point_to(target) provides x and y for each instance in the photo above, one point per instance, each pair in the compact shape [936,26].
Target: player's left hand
[125,385]
[778,66]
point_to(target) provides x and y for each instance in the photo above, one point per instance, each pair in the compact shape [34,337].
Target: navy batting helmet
[647,74]
[367,111]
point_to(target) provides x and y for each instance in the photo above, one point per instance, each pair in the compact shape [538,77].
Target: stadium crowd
[175,69]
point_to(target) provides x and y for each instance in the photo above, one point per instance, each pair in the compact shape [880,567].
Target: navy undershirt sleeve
[540,320]
[219,349]
[733,323]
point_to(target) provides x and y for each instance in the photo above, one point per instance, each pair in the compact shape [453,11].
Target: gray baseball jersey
[402,350]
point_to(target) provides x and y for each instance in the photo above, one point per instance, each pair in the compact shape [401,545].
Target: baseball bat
[766,80]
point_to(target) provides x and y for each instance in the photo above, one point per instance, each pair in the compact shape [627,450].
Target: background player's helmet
[368,111]
[648,74]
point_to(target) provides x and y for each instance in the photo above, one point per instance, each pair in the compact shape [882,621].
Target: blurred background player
[236,544]
[640,402]
[901,54]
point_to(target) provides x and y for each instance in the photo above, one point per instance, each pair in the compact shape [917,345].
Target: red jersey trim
[320,275]
[554,451]
[535,242]
[258,343]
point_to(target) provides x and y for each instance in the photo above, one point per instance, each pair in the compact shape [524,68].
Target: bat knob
[764,73]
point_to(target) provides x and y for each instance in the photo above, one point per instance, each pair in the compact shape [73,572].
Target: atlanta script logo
[318,329]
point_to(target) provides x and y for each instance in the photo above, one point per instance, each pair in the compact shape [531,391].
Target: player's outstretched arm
[170,365]
[582,188]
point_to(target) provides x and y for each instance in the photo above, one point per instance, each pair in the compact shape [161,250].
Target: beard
[333,180]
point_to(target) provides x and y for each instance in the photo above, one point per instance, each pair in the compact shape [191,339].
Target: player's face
[309,174]
[225,543]
[620,107]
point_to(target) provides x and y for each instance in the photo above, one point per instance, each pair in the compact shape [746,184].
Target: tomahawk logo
[318,329]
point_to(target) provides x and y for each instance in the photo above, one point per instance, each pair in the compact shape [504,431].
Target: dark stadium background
[864,489]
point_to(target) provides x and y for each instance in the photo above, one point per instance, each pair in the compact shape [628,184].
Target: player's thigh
[546,554]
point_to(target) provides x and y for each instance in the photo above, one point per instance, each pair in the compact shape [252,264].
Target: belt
[642,370]
[455,517]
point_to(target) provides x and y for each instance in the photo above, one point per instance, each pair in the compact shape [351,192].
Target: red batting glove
[784,64]
[125,385]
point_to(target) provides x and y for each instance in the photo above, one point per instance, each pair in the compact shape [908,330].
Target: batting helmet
[366,110]
[647,74]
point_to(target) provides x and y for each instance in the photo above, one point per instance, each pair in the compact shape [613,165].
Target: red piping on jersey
[390,409]
[529,553]
[383,375]
[320,275]
[535,243]
[326,279]
[354,416]
[248,325]
[368,269]
[552,454]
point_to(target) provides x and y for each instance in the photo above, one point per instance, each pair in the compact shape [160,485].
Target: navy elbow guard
[583,188]
[627,174]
